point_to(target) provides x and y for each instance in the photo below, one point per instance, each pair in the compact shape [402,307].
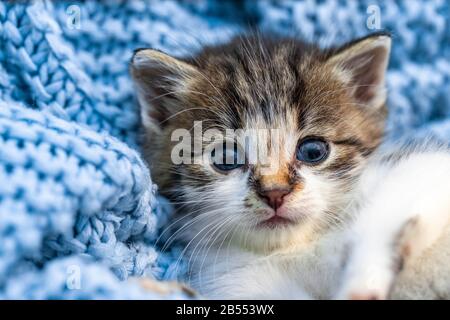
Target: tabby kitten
[324,222]
[254,233]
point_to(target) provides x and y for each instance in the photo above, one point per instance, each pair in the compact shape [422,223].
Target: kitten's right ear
[160,81]
[364,62]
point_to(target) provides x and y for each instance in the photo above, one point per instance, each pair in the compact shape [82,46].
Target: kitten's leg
[428,277]
[402,220]
[371,273]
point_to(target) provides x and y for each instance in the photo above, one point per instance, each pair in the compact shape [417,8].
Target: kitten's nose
[275,197]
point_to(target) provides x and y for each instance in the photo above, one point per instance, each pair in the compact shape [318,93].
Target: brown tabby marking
[256,82]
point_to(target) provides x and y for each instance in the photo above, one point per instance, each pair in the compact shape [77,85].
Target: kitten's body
[253,233]
[397,244]
[399,241]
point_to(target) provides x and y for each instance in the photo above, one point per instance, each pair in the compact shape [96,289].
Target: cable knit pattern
[78,211]
[67,190]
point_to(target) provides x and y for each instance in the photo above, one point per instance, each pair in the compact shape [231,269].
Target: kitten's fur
[402,226]
[258,82]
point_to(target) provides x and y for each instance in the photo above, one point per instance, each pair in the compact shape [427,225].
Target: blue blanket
[78,210]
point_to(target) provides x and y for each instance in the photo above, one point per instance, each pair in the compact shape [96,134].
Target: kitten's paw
[368,295]
[417,235]
[362,294]
[164,288]
[371,275]
[372,283]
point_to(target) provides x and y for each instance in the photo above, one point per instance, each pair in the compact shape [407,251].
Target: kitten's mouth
[276,222]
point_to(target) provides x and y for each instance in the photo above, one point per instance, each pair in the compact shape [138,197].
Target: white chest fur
[301,272]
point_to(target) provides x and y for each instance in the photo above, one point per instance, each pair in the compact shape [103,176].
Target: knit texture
[79,213]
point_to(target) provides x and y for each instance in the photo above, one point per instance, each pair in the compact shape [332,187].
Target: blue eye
[230,159]
[312,150]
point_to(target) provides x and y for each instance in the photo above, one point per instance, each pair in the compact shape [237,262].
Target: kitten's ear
[364,63]
[160,81]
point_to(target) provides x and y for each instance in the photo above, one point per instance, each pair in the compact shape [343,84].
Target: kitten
[254,233]
[402,225]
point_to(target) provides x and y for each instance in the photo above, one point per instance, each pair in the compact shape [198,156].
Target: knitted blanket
[79,213]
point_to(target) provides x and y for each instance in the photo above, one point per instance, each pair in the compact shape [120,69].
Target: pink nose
[275,197]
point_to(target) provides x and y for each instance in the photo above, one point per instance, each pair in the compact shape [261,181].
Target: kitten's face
[327,108]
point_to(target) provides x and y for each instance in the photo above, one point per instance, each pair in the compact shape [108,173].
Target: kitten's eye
[312,150]
[230,159]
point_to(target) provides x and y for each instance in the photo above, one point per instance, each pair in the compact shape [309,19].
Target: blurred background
[99,37]
[419,77]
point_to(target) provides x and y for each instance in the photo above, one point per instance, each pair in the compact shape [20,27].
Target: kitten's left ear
[364,63]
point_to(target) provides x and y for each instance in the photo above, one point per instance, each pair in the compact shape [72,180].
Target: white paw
[371,283]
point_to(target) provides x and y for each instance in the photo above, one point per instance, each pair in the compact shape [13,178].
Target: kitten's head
[327,107]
